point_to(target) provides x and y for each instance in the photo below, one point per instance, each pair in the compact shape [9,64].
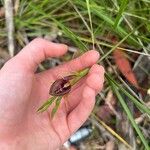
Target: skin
[22,91]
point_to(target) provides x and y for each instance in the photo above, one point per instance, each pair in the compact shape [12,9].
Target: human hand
[22,91]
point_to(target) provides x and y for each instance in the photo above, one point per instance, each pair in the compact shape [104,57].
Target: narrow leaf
[121,10]
[57,103]
[126,109]
[113,48]
[139,103]
[90,19]
[46,104]
[111,131]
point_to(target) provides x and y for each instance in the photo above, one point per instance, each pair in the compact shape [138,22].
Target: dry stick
[112,131]
[10,25]
[16,6]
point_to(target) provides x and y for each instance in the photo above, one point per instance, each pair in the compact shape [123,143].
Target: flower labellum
[61,86]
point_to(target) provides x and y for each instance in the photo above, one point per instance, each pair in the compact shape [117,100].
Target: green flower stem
[46,104]
[79,75]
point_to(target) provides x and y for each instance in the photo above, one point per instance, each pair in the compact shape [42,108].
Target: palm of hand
[19,120]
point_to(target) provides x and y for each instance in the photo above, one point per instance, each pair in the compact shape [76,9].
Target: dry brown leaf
[2,12]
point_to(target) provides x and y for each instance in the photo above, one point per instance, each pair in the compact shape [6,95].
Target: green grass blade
[122,8]
[110,22]
[102,14]
[129,115]
[113,48]
[82,18]
[72,36]
[90,19]
[140,105]
[65,30]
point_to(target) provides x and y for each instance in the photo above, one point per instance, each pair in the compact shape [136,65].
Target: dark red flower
[61,86]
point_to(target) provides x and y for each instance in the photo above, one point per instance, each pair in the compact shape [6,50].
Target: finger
[37,51]
[94,80]
[96,77]
[79,115]
[97,69]
[84,107]
[86,60]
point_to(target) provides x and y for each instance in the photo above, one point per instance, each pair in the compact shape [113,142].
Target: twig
[16,6]
[111,131]
[10,25]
